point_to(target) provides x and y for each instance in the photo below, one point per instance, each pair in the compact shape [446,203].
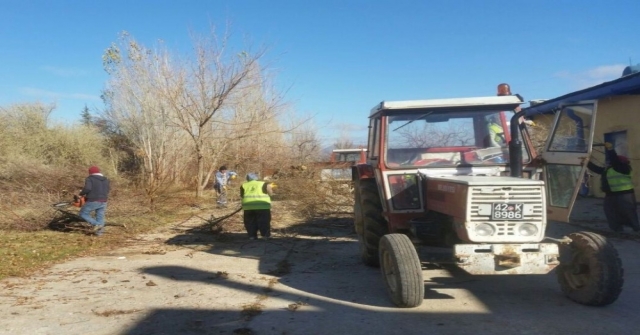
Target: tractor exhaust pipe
[515,146]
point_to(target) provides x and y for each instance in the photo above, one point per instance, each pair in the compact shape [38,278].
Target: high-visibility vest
[497,132]
[253,197]
[618,181]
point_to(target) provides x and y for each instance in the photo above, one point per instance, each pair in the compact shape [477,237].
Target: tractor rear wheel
[593,273]
[401,270]
[374,226]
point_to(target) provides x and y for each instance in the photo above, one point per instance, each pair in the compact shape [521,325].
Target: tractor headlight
[527,229]
[485,229]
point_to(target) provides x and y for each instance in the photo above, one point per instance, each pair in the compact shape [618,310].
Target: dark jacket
[616,165]
[96,188]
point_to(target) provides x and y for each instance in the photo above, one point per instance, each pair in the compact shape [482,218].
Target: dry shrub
[28,189]
[313,196]
[78,145]
[27,133]
[41,164]
[539,132]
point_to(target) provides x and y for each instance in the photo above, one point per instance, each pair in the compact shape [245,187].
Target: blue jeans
[98,207]
[222,194]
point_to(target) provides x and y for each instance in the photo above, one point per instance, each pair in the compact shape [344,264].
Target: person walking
[220,185]
[620,198]
[96,192]
[256,204]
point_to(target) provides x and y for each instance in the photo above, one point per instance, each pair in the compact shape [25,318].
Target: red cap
[94,169]
[623,159]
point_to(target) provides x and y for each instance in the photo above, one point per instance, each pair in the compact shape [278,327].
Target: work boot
[98,229]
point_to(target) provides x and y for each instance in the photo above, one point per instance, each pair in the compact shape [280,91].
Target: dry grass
[112,312]
[249,311]
[24,252]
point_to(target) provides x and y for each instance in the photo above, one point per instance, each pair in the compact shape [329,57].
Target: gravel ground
[307,279]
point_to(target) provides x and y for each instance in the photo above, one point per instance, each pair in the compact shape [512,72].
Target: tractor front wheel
[592,273]
[401,270]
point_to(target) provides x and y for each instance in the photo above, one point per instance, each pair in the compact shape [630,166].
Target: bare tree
[216,99]
[344,141]
[255,135]
[222,99]
[304,143]
[135,104]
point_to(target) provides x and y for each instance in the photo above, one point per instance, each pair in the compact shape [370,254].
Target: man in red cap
[96,191]
[620,198]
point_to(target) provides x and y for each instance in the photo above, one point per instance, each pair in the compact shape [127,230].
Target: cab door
[566,155]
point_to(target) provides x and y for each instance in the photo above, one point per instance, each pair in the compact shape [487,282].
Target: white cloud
[606,72]
[350,127]
[39,93]
[592,77]
[64,72]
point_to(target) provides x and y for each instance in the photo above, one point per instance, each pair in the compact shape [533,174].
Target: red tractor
[454,181]
[339,165]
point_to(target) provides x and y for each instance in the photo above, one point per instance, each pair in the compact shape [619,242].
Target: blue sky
[334,59]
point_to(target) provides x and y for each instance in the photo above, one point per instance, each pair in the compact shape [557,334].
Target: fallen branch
[66,220]
[214,224]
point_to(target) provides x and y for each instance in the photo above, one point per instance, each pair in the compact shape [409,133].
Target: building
[617,119]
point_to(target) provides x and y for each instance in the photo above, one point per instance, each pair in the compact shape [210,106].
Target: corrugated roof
[626,85]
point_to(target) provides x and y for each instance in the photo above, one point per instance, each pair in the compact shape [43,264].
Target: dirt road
[308,279]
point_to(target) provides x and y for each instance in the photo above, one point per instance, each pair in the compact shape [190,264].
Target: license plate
[502,211]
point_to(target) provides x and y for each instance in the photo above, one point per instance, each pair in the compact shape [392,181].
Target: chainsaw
[78,201]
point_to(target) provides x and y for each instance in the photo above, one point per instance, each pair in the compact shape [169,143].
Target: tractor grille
[530,196]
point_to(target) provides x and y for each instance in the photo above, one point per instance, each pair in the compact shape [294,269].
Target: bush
[40,165]
[314,197]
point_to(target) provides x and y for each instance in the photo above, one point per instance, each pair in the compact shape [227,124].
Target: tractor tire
[593,274]
[358,221]
[374,226]
[401,270]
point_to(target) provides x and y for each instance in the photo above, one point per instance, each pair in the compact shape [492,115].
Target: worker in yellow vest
[496,133]
[256,204]
[616,183]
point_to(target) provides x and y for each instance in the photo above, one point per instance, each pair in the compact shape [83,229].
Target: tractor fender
[362,171]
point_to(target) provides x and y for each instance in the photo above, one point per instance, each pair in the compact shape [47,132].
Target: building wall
[618,113]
